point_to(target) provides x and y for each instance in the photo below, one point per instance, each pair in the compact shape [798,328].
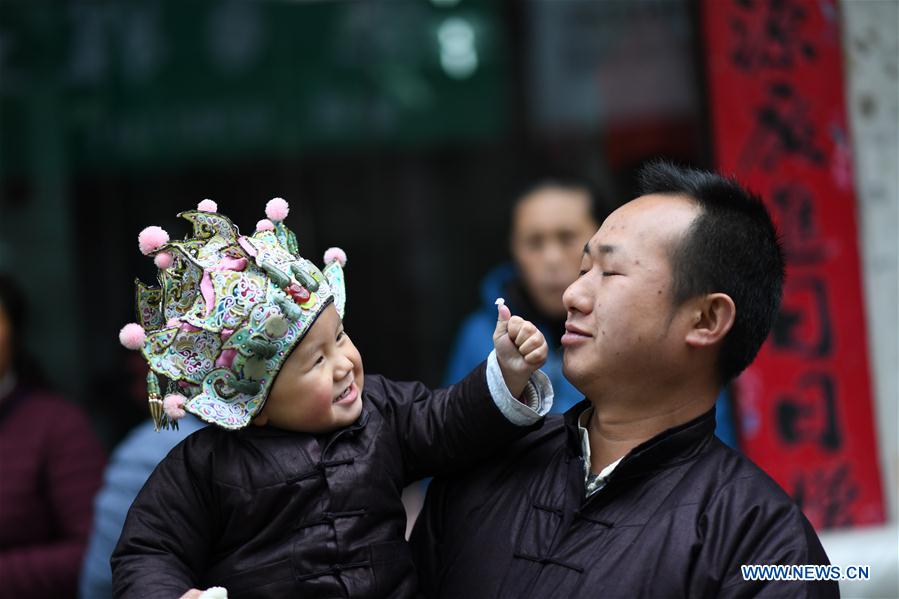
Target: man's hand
[520,349]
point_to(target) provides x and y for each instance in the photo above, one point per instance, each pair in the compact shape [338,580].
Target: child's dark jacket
[269,513]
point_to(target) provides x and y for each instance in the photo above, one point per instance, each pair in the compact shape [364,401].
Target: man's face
[319,387]
[550,227]
[622,330]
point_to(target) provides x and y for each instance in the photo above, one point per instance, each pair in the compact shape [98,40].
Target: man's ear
[713,317]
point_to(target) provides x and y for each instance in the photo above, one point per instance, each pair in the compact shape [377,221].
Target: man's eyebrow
[600,249]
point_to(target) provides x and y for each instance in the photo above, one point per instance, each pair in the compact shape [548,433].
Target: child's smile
[319,387]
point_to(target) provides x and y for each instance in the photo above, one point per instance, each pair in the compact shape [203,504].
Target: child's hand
[520,349]
[210,593]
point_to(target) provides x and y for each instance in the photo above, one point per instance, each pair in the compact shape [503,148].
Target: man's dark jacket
[269,513]
[677,517]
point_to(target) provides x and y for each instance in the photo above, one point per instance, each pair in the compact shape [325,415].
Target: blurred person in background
[130,466]
[552,219]
[50,467]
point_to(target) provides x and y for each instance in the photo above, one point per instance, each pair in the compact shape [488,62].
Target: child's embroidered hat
[227,312]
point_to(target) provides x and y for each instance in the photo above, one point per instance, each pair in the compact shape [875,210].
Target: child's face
[319,387]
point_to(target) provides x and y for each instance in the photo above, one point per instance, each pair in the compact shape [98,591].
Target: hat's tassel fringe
[154,398]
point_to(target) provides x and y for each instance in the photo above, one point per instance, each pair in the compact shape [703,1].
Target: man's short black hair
[731,247]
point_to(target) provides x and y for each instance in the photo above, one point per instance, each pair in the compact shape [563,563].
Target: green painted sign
[148,84]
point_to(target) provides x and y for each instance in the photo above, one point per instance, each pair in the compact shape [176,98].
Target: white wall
[871,52]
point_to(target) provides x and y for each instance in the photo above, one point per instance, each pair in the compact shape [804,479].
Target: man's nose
[575,299]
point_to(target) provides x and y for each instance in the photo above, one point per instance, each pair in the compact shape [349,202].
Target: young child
[295,492]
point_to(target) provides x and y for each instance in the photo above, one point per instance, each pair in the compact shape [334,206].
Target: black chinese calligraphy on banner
[779,124]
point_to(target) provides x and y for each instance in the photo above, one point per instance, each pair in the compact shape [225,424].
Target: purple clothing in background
[50,467]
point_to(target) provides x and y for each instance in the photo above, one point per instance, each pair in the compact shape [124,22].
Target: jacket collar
[668,448]
[326,438]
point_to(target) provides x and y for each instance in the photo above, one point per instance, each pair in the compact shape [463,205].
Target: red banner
[779,124]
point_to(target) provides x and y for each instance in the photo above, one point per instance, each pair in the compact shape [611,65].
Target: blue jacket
[131,464]
[475,340]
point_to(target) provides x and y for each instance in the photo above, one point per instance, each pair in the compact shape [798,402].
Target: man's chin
[573,372]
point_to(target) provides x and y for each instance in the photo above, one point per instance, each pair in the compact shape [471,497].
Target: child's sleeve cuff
[536,400]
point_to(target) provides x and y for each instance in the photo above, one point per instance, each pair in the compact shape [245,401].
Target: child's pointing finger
[503,314]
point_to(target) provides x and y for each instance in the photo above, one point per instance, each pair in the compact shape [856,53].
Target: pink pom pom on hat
[151,239]
[132,336]
[277,209]
[265,225]
[174,406]
[207,205]
[164,260]
[332,254]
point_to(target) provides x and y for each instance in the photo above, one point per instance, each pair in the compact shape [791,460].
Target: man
[630,494]
[551,221]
